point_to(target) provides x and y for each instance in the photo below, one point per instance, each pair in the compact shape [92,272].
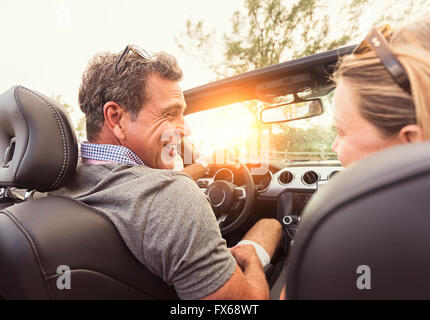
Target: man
[134,120]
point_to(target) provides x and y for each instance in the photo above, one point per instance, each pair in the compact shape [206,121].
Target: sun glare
[235,128]
[230,127]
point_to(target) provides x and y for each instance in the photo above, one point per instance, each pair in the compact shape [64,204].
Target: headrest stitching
[63,136]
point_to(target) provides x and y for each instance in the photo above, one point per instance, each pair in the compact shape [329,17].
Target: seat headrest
[373,215]
[38,146]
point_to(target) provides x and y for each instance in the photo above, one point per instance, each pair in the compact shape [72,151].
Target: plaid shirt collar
[110,153]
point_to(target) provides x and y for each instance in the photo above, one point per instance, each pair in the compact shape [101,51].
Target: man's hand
[248,281]
[221,157]
[195,171]
[245,256]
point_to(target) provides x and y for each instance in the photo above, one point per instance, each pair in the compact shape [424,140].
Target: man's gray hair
[127,86]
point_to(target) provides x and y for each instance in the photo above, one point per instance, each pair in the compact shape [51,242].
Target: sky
[47,43]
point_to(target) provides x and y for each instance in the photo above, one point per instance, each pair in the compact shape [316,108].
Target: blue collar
[110,153]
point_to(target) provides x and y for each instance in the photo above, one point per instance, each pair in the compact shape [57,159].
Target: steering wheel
[224,196]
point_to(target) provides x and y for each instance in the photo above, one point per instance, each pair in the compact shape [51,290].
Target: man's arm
[195,171]
[250,284]
[187,250]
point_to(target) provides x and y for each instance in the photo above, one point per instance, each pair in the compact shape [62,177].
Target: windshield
[238,129]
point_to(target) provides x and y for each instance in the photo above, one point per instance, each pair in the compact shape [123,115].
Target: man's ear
[412,133]
[114,116]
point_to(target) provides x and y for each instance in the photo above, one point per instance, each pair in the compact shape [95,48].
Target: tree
[271,31]
[79,124]
[274,30]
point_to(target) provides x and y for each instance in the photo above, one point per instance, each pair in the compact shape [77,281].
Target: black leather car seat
[37,236]
[366,234]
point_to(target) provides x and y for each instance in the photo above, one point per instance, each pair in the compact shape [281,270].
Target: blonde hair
[381,100]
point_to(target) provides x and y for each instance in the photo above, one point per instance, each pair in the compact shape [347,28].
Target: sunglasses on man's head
[377,40]
[135,49]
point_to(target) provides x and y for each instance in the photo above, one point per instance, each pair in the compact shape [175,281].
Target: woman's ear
[412,133]
[114,116]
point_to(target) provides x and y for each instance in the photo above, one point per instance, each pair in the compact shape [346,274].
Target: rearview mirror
[292,111]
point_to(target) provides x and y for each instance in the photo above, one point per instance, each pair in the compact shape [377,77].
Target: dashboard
[282,190]
[299,177]
[299,180]
[273,181]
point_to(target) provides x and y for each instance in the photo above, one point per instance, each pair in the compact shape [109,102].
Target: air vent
[310,177]
[331,175]
[286,177]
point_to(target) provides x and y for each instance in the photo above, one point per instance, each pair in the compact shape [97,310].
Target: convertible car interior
[40,234]
[337,222]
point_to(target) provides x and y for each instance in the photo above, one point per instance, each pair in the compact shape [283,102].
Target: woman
[382,96]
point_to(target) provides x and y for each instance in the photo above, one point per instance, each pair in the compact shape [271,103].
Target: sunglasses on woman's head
[377,40]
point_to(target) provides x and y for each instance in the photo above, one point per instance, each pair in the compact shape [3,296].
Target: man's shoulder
[128,180]
[179,186]
[180,178]
[169,180]
[130,172]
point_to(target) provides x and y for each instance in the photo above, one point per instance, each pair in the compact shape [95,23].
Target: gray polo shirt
[164,219]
